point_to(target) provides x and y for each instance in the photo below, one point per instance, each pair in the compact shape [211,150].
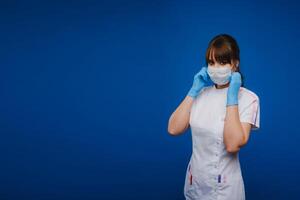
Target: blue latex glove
[234,87]
[200,80]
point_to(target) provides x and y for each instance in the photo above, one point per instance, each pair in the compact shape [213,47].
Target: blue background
[87,89]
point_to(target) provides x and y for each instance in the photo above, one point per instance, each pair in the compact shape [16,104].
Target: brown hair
[225,50]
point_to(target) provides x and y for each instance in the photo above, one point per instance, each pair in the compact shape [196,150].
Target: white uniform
[213,173]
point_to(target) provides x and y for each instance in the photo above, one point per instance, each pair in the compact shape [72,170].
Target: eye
[210,62]
[223,62]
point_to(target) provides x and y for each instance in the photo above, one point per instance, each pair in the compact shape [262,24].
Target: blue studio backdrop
[87,88]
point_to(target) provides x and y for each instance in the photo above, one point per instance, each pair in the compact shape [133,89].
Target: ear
[236,65]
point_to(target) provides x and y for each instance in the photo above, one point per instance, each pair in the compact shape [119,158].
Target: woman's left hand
[234,87]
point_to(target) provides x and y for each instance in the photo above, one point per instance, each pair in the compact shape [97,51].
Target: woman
[221,117]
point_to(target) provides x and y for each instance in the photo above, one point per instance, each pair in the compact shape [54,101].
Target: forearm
[179,120]
[233,130]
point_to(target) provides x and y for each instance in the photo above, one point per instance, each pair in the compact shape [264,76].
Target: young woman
[221,116]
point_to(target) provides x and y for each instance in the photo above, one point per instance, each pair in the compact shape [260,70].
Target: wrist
[232,100]
[194,92]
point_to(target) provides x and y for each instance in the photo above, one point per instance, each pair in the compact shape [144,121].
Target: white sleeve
[250,113]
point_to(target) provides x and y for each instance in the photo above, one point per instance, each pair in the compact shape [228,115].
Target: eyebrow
[222,61]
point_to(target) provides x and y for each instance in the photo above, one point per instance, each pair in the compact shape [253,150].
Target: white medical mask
[219,75]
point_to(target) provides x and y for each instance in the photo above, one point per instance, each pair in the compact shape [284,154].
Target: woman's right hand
[179,120]
[200,79]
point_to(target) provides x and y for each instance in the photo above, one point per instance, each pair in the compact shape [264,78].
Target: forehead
[219,55]
[211,55]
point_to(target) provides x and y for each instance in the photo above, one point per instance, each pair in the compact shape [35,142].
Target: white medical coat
[213,173]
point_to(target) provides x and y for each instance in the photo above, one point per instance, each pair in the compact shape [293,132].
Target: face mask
[219,75]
